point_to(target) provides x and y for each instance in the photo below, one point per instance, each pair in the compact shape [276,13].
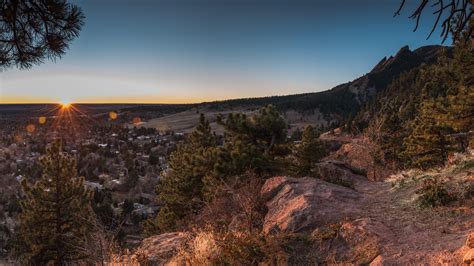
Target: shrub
[434,193]
[327,232]
[463,166]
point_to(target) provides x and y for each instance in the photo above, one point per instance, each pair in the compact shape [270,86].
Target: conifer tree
[199,167]
[308,153]
[427,145]
[180,189]
[252,143]
[460,100]
[56,217]
[202,135]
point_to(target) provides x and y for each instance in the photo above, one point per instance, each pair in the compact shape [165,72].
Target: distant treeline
[335,101]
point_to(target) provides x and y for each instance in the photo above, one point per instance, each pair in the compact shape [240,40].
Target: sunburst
[65,104]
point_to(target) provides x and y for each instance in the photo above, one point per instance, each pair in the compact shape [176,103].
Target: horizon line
[163,103]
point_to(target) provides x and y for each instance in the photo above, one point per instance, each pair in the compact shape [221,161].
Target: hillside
[376,222]
[392,185]
[320,108]
[347,97]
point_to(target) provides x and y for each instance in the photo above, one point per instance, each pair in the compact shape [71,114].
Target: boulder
[339,172]
[470,240]
[303,204]
[364,155]
[469,257]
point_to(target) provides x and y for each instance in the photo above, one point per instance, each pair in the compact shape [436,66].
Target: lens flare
[113,115]
[137,121]
[30,128]
[42,120]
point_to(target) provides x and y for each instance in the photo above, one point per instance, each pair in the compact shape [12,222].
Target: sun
[65,104]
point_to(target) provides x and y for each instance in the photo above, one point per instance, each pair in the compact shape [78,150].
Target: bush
[466,165]
[327,232]
[434,193]
[229,227]
[237,205]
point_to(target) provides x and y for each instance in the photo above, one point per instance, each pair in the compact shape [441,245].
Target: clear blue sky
[191,50]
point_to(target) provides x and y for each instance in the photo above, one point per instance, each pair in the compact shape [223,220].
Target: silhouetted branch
[32,30]
[455,21]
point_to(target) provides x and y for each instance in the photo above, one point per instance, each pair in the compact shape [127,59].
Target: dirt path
[414,234]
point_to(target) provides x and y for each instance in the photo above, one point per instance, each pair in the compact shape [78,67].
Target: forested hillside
[346,99]
[425,113]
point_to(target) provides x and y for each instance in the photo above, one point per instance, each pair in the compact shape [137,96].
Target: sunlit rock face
[303,204]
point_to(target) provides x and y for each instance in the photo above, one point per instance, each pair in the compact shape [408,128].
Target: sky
[183,51]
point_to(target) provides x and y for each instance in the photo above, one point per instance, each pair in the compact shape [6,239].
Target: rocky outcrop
[303,204]
[468,257]
[362,154]
[340,173]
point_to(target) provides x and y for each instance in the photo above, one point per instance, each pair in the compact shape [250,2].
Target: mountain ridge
[347,98]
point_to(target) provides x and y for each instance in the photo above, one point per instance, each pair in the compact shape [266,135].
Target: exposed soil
[415,234]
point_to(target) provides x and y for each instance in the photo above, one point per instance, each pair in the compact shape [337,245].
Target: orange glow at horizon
[65,104]
[112,100]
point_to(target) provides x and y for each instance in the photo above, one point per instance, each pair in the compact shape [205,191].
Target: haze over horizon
[192,51]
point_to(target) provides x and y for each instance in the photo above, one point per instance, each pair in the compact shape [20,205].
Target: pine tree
[460,99]
[308,153]
[202,135]
[427,145]
[252,143]
[199,167]
[56,217]
[180,190]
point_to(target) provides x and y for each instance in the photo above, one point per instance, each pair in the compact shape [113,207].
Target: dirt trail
[415,235]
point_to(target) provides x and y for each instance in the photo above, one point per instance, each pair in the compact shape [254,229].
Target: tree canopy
[32,31]
[453,16]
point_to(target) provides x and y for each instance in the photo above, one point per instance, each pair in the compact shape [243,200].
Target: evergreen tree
[56,216]
[308,152]
[180,189]
[199,167]
[251,143]
[427,145]
[460,99]
[33,31]
[202,135]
